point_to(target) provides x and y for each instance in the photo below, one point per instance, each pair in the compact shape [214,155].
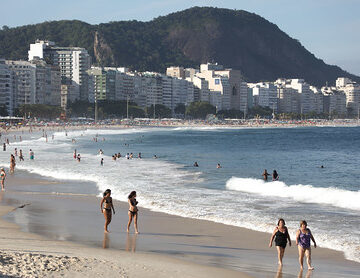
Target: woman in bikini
[303,237]
[281,236]
[12,163]
[133,211]
[3,176]
[106,210]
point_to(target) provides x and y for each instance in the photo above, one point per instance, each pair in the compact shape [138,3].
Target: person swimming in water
[133,211]
[265,175]
[196,164]
[275,176]
[106,210]
[218,166]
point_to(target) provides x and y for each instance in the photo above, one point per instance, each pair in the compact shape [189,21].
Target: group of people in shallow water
[107,208]
[275,175]
[303,237]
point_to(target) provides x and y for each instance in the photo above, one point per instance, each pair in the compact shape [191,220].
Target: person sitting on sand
[108,205]
[3,176]
[275,176]
[281,236]
[265,175]
[133,211]
[303,237]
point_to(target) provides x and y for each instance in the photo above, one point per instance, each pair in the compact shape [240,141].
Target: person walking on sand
[303,237]
[275,176]
[3,176]
[265,175]
[281,236]
[106,210]
[133,211]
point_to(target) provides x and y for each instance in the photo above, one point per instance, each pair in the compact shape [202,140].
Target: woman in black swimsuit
[281,236]
[108,205]
[133,211]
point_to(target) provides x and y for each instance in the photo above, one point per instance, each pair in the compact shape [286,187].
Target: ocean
[327,198]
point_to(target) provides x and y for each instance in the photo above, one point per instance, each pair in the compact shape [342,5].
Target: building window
[217,81]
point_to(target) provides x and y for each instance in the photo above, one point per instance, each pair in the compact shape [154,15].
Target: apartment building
[6,90]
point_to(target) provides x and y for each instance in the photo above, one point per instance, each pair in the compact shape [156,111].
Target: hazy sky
[328,28]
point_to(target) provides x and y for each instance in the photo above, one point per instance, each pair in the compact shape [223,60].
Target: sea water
[327,198]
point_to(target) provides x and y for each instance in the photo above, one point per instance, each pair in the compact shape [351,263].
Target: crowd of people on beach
[280,234]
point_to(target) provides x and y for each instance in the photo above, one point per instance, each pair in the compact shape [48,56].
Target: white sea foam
[300,193]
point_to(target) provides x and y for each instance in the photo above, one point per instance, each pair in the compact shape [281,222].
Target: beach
[53,227]
[167,245]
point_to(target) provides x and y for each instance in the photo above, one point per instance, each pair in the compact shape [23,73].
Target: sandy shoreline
[231,249]
[25,254]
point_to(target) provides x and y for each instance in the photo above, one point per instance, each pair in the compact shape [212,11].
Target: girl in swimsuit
[303,237]
[281,236]
[108,205]
[3,176]
[133,211]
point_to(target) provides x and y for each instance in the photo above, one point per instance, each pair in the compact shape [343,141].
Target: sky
[330,29]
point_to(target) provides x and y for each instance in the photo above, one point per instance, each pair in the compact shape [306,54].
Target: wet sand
[75,219]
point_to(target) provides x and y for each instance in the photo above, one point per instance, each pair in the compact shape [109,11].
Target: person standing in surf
[265,175]
[106,210]
[281,236]
[275,176]
[3,176]
[31,153]
[133,211]
[12,164]
[303,237]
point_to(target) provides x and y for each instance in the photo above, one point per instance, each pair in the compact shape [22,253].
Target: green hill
[236,39]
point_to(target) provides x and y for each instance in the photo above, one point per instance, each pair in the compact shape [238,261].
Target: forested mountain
[234,38]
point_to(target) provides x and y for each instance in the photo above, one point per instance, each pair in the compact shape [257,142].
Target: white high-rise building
[318,100]
[352,92]
[226,87]
[342,82]
[72,61]
[265,94]
[6,90]
[288,97]
[24,82]
[334,101]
